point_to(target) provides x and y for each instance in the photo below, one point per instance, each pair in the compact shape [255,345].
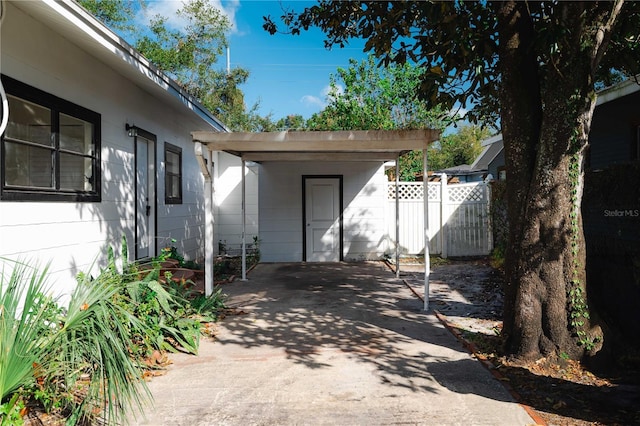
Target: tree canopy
[456,44]
[364,97]
[534,67]
[461,147]
[190,55]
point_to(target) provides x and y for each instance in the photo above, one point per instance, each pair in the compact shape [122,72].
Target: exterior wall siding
[614,131]
[74,236]
[228,200]
[280,211]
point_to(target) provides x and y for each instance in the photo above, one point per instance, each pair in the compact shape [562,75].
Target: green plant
[165,326]
[84,360]
[170,253]
[208,306]
[76,358]
[11,411]
[24,326]
[254,256]
[497,257]
[91,355]
[578,310]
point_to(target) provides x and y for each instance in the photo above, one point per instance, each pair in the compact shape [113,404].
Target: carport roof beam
[327,146]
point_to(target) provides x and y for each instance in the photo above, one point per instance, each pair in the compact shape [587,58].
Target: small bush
[85,361]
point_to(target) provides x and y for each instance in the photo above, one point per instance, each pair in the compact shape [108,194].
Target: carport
[294,146]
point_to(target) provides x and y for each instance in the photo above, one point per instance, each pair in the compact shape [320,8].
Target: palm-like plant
[88,340]
[92,343]
[24,325]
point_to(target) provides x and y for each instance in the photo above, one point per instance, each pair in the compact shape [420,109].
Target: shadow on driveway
[339,343]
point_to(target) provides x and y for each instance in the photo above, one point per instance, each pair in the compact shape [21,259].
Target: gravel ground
[561,392]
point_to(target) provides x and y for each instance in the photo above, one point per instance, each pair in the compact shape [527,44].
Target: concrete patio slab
[329,344]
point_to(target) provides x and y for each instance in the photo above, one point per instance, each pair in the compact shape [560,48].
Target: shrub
[74,358]
[85,360]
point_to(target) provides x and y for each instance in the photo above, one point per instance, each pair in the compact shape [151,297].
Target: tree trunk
[545,127]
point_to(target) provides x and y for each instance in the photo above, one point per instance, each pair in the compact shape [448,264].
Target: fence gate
[458,218]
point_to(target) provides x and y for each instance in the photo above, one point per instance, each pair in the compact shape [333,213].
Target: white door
[145,198]
[322,211]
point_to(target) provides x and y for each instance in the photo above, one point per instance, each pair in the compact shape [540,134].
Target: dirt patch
[468,294]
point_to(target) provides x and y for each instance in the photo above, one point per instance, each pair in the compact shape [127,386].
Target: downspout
[209,218]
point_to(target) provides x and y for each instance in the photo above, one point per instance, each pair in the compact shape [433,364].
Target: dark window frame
[57,106]
[168,176]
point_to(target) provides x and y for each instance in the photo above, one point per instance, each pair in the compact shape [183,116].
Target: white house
[101,145]
[98,145]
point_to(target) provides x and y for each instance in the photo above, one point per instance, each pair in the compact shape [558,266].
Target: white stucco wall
[280,211]
[72,236]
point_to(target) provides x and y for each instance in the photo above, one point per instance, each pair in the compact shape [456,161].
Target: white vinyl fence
[458,218]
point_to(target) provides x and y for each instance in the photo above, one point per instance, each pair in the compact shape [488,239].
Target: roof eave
[115,51]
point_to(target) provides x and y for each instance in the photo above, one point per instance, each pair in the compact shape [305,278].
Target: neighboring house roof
[619,90]
[491,148]
[75,23]
[462,168]
[494,145]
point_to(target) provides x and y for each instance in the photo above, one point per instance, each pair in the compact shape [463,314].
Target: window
[502,173]
[50,149]
[172,174]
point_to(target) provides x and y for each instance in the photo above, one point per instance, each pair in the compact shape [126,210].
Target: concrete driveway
[329,344]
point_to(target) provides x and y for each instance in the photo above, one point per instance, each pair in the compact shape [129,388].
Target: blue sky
[288,74]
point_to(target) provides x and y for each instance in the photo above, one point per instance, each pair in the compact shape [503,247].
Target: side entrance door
[145,196]
[322,219]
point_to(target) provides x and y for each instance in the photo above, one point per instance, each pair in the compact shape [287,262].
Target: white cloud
[327,90]
[319,102]
[169,9]
[312,101]
[328,95]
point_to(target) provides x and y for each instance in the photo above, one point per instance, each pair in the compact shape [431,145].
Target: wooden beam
[318,156]
[342,141]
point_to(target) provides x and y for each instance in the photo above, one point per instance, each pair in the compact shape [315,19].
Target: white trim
[209,220]
[619,90]
[397,197]
[492,140]
[427,260]
[244,221]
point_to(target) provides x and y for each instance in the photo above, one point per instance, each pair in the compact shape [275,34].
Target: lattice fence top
[406,191]
[434,192]
[466,193]
[457,193]
[413,191]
